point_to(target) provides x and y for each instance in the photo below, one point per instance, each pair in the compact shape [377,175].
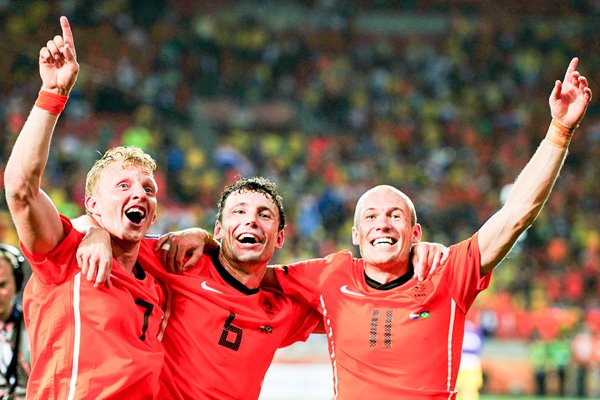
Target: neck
[250,275]
[387,273]
[126,254]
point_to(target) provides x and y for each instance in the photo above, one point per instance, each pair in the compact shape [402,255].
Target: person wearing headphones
[14,342]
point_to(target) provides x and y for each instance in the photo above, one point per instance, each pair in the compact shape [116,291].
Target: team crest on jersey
[421,291]
[267,306]
[419,315]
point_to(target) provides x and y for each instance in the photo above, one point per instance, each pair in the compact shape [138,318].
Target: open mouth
[386,241]
[135,215]
[248,238]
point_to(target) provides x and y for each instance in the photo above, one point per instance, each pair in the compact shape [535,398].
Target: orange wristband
[559,135]
[53,103]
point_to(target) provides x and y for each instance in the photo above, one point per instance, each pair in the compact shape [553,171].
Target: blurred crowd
[446,100]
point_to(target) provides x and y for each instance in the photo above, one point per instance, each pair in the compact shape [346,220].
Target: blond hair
[126,155]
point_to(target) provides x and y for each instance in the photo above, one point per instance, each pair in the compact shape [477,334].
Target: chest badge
[421,291]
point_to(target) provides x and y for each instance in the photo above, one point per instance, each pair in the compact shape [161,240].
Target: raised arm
[568,101]
[35,216]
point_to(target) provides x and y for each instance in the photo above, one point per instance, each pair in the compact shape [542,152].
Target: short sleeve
[60,264]
[463,273]
[304,280]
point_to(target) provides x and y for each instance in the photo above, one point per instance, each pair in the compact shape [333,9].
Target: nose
[139,191]
[383,223]
[251,219]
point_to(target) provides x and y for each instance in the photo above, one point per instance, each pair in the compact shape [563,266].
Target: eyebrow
[391,210]
[241,203]
[260,207]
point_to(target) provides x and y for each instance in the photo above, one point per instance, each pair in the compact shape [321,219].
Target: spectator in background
[470,373]
[538,356]
[14,342]
[582,350]
[559,358]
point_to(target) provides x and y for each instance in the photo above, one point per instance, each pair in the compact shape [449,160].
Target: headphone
[16,259]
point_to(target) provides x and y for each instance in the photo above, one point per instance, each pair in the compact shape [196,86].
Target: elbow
[523,218]
[528,220]
[18,189]
[522,225]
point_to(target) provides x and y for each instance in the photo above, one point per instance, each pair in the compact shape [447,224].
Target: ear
[355,236]
[91,204]
[280,239]
[218,230]
[417,233]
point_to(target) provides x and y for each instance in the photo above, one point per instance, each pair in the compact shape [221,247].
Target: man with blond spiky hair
[87,342]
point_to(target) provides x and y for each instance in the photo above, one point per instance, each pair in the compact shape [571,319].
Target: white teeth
[248,238]
[137,210]
[382,241]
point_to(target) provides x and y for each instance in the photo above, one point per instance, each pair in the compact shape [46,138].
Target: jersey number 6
[227,328]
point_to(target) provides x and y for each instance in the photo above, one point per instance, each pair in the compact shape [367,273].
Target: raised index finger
[67,34]
[572,67]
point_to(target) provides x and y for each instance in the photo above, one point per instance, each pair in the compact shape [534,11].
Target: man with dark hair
[223,329]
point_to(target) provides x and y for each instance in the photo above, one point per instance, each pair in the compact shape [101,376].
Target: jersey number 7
[148,307]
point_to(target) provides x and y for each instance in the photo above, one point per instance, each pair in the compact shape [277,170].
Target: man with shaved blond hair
[392,336]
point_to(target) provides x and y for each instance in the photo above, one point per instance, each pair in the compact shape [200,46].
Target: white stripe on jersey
[77,338]
[450,333]
[332,346]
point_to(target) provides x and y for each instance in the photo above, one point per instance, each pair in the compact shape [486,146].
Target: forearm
[527,197]
[29,155]
[34,215]
[533,186]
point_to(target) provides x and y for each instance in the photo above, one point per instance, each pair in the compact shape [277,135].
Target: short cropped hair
[359,204]
[125,155]
[255,184]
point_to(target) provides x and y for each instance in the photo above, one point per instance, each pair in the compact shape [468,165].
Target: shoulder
[466,248]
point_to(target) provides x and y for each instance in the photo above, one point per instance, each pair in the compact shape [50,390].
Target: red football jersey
[403,342]
[220,336]
[86,342]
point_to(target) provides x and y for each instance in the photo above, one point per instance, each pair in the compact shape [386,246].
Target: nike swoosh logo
[205,286]
[344,289]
